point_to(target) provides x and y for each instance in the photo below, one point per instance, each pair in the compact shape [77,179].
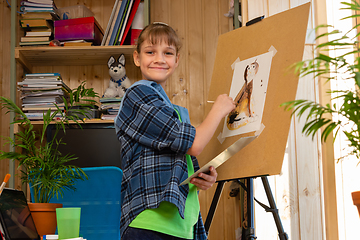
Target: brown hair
[157,32]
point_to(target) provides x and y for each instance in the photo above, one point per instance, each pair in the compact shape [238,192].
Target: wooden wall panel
[298,189]
[5,33]
[277,6]
[198,23]
[257,8]
[308,170]
[178,86]
[5,13]
[210,9]
[195,60]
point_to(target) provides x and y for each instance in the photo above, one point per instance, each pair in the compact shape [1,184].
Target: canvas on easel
[266,48]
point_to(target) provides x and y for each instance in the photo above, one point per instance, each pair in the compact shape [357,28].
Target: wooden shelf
[66,56]
[86,121]
[38,124]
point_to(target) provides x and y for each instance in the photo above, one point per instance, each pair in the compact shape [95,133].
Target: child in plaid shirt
[159,145]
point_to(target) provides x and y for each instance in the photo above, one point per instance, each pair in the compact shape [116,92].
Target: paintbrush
[6,179]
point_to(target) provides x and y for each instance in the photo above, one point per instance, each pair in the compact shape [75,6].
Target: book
[113,111]
[138,24]
[34,43]
[43,99]
[41,33]
[42,79]
[28,83]
[106,100]
[129,22]
[71,43]
[135,33]
[50,15]
[29,86]
[39,115]
[40,88]
[117,22]
[34,39]
[107,40]
[110,105]
[44,108]
[110,22]
[34,4]
[42,75]
[41,1]
[124,19]
[42,105]
[59,92]
[35,9]
[108,117]
[36,22]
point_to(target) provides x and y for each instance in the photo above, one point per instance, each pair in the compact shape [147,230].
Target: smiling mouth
[158,68]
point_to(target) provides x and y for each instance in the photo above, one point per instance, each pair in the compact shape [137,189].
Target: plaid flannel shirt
[153,146]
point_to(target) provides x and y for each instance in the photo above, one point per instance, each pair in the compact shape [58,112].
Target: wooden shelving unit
[67,56]
[39,124]
[44,58]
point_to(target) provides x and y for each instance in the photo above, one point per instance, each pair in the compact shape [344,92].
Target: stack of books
[118,30]
[40,92]
[37,22]
[37,6]
[110,107]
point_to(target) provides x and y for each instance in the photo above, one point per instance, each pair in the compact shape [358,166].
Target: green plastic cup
[68,222]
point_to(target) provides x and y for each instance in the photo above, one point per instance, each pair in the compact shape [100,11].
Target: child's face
[157,62]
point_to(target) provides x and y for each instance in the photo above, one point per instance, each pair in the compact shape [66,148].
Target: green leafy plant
[82,95]
[333,117]
[41,164]
[81,101]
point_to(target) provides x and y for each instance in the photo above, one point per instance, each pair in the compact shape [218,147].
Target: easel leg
[214,203]
[249,233]
[273,209]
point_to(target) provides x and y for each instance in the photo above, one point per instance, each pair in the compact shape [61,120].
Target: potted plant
[343,117]
[81,102]
[42,165]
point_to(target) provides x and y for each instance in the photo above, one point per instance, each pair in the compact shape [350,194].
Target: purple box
[79,29]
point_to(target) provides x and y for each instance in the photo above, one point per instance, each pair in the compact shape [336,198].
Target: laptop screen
[15,216]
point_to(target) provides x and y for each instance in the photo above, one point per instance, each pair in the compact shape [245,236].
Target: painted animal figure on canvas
[242,111]
[119,82]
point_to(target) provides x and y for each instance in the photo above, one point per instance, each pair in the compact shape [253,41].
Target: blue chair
[99,199]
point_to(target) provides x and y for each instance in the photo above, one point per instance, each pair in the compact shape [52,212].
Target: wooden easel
[262,157]
[249,234]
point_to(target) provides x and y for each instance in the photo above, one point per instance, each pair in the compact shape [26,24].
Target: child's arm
[204,132]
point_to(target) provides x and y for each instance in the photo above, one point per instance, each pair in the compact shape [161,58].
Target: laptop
[15,218]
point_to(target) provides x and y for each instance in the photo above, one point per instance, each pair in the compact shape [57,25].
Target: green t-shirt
[166,218]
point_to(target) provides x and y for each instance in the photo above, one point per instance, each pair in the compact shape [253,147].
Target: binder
[117,23]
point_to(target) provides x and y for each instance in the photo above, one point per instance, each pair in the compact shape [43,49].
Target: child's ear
[177,59]
[136,58]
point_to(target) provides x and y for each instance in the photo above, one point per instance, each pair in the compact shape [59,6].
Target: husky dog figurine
[119,82]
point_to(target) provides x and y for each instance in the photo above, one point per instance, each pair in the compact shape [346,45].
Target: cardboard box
[79,29]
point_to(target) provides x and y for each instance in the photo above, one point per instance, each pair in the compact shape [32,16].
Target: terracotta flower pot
[44,215]
[356,199]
